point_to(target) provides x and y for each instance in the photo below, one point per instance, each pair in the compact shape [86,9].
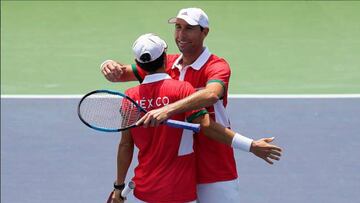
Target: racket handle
[130,186]
[109,200]
[185,125]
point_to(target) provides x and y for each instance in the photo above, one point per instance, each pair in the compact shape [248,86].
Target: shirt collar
[198,63]
[155,77]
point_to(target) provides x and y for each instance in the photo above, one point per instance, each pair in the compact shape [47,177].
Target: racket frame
[172,123]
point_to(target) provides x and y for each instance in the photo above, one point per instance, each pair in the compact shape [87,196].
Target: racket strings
[129,112]
[109,111]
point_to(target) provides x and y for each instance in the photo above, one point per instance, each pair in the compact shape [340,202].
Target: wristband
[241,142]
[119,187]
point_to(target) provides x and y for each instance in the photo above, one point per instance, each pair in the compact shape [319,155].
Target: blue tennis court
[48,155]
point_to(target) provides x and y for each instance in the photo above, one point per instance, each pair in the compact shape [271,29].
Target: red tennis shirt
[166,171]
[214,161]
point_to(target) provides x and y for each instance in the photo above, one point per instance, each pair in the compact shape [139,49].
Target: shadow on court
[48,155]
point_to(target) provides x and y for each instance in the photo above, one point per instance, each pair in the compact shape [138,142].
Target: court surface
[273,47]
[48,155]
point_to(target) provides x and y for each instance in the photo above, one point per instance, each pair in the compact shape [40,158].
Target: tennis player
[216,169]
[166,171]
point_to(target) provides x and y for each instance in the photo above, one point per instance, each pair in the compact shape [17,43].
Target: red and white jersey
[166,171]
[215,161]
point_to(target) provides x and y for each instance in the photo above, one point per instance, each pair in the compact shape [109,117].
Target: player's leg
[225,191]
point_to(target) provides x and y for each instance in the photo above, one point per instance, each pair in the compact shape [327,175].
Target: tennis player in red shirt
[209,74]
[166,171]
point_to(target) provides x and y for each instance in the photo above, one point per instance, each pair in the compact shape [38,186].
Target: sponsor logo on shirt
[153,103]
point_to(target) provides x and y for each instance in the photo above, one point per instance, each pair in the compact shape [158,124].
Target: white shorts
[225,191]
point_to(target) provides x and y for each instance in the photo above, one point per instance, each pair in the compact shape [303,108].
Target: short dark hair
[153,65]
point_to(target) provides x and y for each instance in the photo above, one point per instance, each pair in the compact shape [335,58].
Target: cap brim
[189,20]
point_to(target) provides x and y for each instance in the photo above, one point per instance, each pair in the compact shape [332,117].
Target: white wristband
[241,142]
[104,63]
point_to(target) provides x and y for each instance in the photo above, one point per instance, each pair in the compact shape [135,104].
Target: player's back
[166,157]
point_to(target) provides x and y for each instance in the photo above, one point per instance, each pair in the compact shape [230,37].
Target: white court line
[40,96]
[293,96]
[231,96]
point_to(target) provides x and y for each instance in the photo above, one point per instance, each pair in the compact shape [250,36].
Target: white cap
[151,44]
[193,16]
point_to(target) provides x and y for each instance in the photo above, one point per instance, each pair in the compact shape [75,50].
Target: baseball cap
[150,44]
[193,16]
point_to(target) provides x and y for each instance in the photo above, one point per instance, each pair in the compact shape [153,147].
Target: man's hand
[116,197]
[154,117]
[262,149]
[112,70]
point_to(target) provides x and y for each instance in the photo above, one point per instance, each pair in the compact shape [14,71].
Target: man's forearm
[117,72]
[124,158]
[222,134]
[216,131]
[123,162]
[200,99]
[128,74]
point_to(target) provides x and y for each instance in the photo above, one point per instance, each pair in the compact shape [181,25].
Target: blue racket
[111,111]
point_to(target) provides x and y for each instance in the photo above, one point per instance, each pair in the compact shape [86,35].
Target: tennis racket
[128,188]
[111,111]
